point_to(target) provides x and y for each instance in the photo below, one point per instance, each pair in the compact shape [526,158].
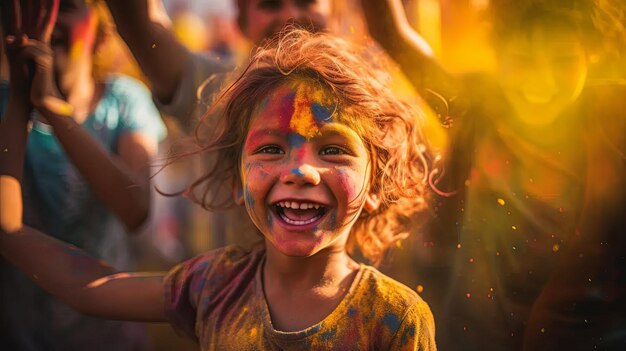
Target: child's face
[304,174]
[266,17]
[543,73]
[74,35]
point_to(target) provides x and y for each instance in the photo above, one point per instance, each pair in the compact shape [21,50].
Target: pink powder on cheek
[346,183]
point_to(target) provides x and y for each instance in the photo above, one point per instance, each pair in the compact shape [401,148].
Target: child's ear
[238,194]
[372,202]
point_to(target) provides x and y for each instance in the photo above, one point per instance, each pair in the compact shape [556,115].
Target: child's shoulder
[386,285]
[225,259]
[389,294]
[400,315]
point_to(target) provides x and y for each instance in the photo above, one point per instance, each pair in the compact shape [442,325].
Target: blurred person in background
[175,73]
[98,134]
[532,230]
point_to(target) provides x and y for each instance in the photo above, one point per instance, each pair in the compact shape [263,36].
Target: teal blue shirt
[58,200]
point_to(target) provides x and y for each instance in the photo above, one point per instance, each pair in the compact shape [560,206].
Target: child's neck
[313,286]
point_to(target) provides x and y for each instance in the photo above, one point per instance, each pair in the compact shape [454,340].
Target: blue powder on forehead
[321,113]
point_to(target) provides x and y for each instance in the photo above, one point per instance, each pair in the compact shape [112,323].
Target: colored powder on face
[249,200]
[286,111]
[83,35]
[296,140]
[321,113]
[308,110]
[300,154]
[346,184]
[297,172]
[333,220]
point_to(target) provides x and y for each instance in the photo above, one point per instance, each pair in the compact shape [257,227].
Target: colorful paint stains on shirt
[217,299]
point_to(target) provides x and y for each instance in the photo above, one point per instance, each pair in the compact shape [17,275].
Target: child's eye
[270,149]
[332,150]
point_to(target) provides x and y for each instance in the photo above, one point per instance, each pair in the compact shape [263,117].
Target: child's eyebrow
[256,134]
[329,130]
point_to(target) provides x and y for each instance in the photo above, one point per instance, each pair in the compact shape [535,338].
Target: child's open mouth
[299,213]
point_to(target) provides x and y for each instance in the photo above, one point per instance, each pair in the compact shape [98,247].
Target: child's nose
[301,175]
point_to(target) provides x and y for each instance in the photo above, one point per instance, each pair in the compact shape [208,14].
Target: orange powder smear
[83,36]
[303,121]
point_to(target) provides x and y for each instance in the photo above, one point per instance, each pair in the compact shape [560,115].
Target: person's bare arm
[83,282]
[160,55]
[13,136]
[122,183]
[388,25]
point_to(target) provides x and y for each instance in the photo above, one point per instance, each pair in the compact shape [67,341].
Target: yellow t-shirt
[217,299]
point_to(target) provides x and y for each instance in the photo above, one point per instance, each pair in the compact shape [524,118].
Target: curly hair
[390,129]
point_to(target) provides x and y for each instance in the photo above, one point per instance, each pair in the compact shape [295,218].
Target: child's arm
[84,283]
[121,183]
[388,25]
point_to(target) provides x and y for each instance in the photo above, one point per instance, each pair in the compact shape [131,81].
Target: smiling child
[328,163]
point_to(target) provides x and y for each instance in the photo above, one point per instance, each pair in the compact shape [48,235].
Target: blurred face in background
[260,19]
[542,71]
[74,36]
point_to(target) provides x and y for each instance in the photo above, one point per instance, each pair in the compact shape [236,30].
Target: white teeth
[291,221]
[296,205]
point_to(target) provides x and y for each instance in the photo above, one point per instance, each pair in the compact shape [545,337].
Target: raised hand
[34,18]
[44,95]
[28,26]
